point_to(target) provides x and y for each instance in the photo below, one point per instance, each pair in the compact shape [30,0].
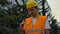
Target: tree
[54,26]
[10,15]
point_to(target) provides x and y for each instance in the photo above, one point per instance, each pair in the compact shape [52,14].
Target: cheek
[29,12]
[35,11]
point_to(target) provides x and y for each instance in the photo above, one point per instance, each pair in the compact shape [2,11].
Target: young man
[35,24]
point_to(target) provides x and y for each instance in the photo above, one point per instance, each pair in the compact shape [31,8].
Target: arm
[47,31]
[22,31]
[47,26]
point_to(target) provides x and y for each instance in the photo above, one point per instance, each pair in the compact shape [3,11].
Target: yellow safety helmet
[31,3]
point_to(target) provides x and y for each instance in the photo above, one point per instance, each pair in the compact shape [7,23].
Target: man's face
[32,11]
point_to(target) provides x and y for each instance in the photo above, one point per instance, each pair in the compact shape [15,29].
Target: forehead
[29,8]
[32,7]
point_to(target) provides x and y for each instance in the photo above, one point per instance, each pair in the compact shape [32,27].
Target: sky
[55,7]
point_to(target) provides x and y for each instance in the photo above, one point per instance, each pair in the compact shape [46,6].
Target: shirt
[47,25]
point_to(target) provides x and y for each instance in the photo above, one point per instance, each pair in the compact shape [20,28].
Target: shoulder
[28,18]
[44,17]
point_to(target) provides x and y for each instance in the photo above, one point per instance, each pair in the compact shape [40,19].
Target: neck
[35,16]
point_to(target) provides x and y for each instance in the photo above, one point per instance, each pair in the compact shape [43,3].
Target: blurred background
[13,12]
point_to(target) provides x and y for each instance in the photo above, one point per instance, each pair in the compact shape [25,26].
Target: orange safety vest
[37,28]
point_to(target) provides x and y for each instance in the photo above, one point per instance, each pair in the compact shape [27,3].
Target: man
[35,24]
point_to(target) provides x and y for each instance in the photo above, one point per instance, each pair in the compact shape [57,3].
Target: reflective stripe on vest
[34,31]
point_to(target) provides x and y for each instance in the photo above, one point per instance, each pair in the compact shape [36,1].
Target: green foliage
[9,18]
[54,26]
